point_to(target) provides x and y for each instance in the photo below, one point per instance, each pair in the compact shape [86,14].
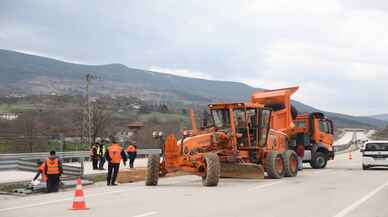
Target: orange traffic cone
[79,200]
[350,155]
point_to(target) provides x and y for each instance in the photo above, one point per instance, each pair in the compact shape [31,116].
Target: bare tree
[101,121]
[28,124]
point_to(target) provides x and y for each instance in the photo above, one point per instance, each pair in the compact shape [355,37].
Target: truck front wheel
[318,160]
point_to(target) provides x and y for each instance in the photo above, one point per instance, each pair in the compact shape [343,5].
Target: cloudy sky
[336,50]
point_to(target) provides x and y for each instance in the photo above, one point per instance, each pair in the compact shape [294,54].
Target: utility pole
[89,78]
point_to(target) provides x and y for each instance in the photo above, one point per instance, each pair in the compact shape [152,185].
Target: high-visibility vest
[131,148]
[41,171]
[115,153]
[52,167]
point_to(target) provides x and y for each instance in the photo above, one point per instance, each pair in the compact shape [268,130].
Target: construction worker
[132,153]
[101,154]
[40,172]
[53,170]
[300,153]
[114,155]
[94,156]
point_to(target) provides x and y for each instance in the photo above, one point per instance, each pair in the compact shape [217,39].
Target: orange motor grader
[238,142]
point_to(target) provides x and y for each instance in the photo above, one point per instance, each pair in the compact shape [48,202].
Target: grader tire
[290,163]
[212,170]
[275,165]
[153,167]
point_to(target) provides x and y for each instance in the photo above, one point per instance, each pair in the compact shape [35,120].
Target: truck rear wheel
[153,167]
[290,163]
[212,170]
[275,165]
[318,160]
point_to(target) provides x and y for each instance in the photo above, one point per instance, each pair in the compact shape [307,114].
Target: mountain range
[30,74]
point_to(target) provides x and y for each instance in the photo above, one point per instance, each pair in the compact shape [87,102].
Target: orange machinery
[238,143]
[314,131]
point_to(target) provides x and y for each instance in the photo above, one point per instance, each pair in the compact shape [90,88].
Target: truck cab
[315,132]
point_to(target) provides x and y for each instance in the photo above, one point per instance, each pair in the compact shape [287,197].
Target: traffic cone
[79,200]
[350,155]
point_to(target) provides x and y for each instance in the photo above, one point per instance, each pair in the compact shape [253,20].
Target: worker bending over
[132,153]
[40,172]
[53,170]
[114,155]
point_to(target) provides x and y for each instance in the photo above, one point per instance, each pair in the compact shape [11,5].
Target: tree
[101,120]
[28,124]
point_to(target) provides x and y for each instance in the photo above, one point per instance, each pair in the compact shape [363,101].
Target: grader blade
[242,171]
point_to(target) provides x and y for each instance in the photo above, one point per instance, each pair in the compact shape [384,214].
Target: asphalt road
[343,189]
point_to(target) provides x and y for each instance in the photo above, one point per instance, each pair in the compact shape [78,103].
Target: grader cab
[238,142]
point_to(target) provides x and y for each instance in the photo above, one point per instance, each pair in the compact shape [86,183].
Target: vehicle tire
[365,167]
[153,167]
[212,170]
[318,160]
[275,165]
[290,163]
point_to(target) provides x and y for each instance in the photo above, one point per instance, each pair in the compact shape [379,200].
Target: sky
[335,50]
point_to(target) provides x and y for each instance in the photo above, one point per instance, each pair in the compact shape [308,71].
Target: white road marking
[265,185]
[357,203]
[71,198]
[35,204]
[61,200]
[145,214]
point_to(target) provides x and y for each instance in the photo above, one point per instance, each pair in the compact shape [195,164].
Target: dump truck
[237,142]
[312,130]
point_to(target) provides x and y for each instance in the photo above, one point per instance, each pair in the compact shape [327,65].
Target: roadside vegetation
[58,122]
[381,134]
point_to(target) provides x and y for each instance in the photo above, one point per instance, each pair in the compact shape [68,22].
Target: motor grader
[238,143]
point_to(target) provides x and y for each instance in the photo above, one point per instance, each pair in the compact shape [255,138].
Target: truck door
[324,131]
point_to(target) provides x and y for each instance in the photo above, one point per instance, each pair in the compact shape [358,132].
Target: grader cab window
[264,126]
[240,122]
[221,118]
[252,126]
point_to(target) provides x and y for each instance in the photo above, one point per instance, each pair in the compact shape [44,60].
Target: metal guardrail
[18,160]
[30,165]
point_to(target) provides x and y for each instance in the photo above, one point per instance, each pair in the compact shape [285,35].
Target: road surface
[343,189]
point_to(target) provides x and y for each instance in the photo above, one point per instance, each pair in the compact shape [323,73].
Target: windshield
[221,118]
[376,147]
[324,126]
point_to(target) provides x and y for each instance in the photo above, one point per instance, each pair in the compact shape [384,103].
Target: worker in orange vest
[53,170]
[40,171]
[132,153]
[114,155]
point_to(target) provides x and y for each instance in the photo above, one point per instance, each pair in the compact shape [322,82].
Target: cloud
[335,49]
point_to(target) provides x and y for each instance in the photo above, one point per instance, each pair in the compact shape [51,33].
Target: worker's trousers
[95,162]
[132,157]
[113,169]
[101,163]
[52,183]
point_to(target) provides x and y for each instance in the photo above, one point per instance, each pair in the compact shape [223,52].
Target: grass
[162,117]
[16,107]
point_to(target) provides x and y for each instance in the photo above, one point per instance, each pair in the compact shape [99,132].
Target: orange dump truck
[314,131]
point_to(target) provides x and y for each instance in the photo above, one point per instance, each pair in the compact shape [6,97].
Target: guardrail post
[81,160]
